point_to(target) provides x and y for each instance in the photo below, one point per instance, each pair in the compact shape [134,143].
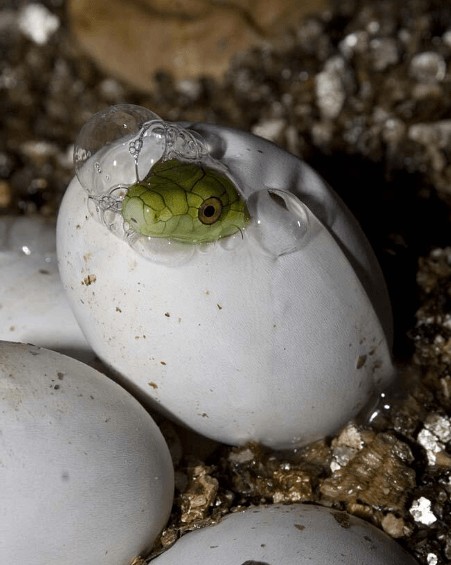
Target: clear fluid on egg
[119,146]
[389,405]
[282,221]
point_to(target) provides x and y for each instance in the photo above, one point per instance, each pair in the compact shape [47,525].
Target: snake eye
[210,210]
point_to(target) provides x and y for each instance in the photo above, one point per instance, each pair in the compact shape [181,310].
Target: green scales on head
[185,201]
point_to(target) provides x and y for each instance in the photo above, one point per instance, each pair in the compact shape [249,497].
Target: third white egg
[299,534]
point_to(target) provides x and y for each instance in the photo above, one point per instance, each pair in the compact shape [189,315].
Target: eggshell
[257,164]
[33,304]
[238,344]
[299,534]
[85,474]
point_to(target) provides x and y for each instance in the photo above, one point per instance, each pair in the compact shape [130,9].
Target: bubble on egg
[106,149]
[281,221]
[86,476]
[119,147]
[116,149]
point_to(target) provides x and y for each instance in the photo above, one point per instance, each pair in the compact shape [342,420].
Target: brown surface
[133,40]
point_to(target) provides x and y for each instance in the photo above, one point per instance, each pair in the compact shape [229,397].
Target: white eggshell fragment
[33,304]
[278,339]
[85,474]
[299,534]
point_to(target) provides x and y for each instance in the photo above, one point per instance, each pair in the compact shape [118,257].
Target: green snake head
[187,202]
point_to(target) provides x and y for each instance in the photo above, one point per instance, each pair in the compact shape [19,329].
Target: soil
[362,92]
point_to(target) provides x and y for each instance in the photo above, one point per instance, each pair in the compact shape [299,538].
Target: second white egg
[85,474]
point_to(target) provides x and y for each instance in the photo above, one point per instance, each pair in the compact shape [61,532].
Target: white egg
[85,474]
[298,534]
[279,334]
[33,304]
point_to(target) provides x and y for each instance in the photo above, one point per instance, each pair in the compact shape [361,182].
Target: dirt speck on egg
[89,280]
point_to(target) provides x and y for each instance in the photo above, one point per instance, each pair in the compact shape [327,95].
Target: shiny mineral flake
[421,511]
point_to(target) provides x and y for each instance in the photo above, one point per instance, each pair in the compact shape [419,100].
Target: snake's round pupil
[210,210]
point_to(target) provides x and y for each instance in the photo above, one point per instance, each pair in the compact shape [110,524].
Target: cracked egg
[228,285]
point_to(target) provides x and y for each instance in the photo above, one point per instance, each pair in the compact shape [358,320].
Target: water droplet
[160,250]
[233,241]
[280,221]
[93,208]
[204,248]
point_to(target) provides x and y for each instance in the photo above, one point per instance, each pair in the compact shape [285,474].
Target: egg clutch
[223,284]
